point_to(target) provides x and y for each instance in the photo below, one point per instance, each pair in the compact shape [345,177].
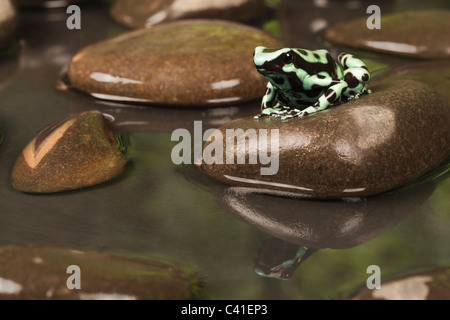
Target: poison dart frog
[303,82]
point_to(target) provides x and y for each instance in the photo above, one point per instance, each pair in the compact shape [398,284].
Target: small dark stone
[360,148]
[185,63]
[79,152]
[417,34]
[146,13]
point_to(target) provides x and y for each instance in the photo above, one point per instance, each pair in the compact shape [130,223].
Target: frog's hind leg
[330,96]
[356,75]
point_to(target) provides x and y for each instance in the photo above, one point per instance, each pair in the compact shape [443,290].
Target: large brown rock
[146,13]
[417,34]
[79,152]
[361,148]
[185,63]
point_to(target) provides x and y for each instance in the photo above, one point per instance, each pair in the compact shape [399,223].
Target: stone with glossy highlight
[193,63]
[361,148]
[417,34]
[79,152]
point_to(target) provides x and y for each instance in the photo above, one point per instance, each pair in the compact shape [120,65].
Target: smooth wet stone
[146,13]
[79,152]
[40,272]
[361,148]
[428,285]
[417,34]
[8,21]
[185,63]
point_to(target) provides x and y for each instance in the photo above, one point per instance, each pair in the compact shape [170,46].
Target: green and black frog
[302,81]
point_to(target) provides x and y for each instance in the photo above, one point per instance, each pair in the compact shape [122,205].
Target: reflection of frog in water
[302,82]
[279,259]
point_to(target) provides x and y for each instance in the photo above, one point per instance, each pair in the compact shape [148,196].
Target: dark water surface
[166,212]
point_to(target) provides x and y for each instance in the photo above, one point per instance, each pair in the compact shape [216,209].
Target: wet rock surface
[39,272]
[357,149]
[146,13]
[8,21]
[417,34]
[79,152]
[194,63]
[428,285]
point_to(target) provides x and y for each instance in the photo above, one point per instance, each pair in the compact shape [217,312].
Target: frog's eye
[288,58]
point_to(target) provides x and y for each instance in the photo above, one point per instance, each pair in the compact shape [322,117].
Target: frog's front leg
[330,96]
[269,107]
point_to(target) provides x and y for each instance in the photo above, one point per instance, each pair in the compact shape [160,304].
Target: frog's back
[315,61]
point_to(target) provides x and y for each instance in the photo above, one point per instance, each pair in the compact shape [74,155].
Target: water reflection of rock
[312,225]
[39,272]
[138,118]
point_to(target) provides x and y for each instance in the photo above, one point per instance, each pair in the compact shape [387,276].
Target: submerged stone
[361,148]
[79,152]
[427,285]
[184,63]
[8,21]
[42,272]
[146,13]
[417,34]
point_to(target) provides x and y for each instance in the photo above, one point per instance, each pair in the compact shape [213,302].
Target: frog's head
[277,65]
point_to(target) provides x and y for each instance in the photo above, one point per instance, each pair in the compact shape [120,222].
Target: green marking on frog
[302,81]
